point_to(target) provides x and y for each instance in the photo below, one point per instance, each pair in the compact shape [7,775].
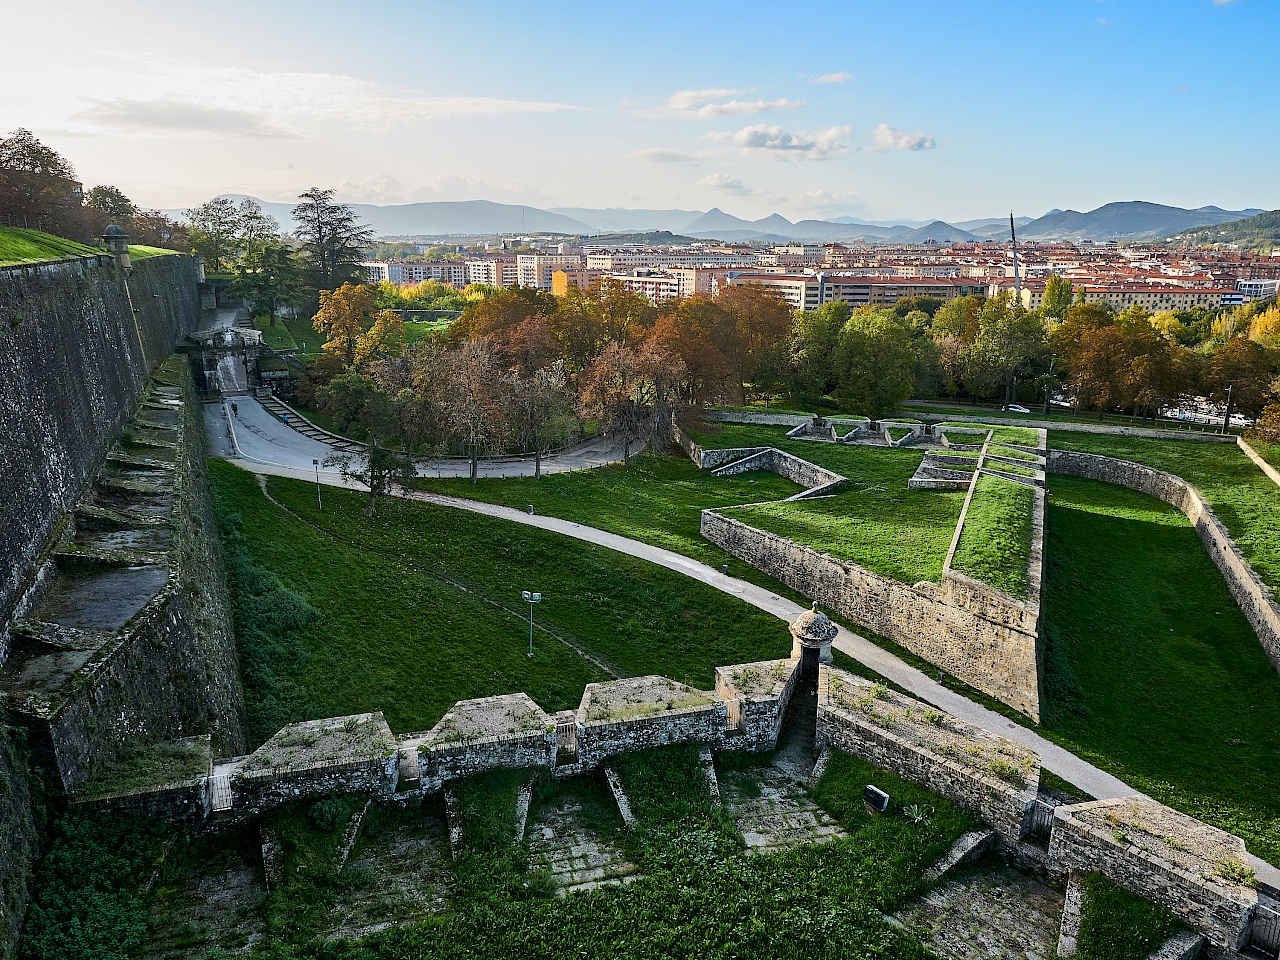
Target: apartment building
[648,283]
[809,291]
[580,277]
[494,271]
[618,261]
[536,269]
[453,272]
[1258,289]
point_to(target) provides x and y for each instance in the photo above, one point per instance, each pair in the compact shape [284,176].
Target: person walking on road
[235,411]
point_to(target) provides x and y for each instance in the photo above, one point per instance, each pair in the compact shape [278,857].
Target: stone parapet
[1191,869]
[994,777]
[1256,599]
[756,695]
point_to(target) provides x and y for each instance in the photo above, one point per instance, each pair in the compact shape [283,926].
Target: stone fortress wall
[973,631]
[79,340]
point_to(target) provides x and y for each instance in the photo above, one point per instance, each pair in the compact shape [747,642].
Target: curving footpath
[1054,758]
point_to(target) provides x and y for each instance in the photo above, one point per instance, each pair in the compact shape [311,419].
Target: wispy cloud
[711,104]
[885,137]
[173,116]
[383,188]
[838,77]
[662,155]
[253,104]
[1223,3]
[724,183]
[789,144]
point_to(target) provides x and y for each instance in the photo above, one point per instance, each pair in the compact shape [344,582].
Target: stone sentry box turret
[811,636]
[117,244]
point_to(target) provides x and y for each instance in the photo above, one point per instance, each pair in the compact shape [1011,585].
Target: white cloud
[662,155]
[174,116]
[838,77]
[710,104]
[796,145]
[725,183]
[1223,3]
[885,137]
[195,99]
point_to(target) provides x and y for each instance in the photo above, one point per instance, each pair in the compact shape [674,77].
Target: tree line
[39,188]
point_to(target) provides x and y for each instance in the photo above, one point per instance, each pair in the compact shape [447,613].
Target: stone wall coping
[1169,856]
[1257,458]
[921,736]
[714,706]
[447,747]
[278,771]
[765,668]
[1070,427]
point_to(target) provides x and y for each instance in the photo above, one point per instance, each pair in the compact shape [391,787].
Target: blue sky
[880,110]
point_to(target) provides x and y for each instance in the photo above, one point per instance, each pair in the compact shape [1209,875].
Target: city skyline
[913,111]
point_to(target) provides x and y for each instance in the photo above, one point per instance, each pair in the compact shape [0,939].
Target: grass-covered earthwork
[1243,497]
[995,543]
[1151,670]
[420,607]
[20,245]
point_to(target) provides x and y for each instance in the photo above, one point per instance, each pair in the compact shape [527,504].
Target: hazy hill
[937,231]
[1251,233]
[1128,220]
[444,217]
[625,220]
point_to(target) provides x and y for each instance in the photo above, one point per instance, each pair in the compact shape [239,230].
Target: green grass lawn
[874,520]
[140,251]
[1151,670]
[310,343]
[995,544]
[1118,925]
[657,499]
[277,337]
[20,245]
[415,330]
[1243,497]
[389,633]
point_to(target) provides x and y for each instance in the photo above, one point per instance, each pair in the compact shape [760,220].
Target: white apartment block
[1258,289]
[656,286]
[453,272]
[536,269]
[620,261]
[494,271]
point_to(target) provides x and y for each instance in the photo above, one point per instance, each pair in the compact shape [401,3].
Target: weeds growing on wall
[86,904]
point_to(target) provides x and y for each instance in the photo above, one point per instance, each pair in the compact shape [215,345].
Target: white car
[1016,408]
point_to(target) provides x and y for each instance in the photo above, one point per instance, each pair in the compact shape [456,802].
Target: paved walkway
[1073,769]
[254,435]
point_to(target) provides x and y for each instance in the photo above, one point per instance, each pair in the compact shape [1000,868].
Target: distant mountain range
[1127,220]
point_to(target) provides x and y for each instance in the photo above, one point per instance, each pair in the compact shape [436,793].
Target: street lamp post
[1226,416]
[531,599]
[316,463]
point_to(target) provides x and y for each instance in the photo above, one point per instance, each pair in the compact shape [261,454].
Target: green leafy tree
[333,239]
[380,470]
[814,335]
[1009,342]
[215,233]
[39,185]
[1057,297]
[269,275]
[112,202]
[874,362]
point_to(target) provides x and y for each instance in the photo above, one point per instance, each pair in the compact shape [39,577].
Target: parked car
[1016,408]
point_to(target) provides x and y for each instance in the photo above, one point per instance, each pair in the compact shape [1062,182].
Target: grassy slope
[658,499]
[995,544]
[1152,671]
[392,636]
[140,251]
[277,337]
[874,520]
[1117,925]
[1243,497]
[19,245]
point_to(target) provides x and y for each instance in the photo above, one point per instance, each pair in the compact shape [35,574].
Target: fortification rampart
[996,656]
[125,637]
[993,776]
[78,341]
[1256,599]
